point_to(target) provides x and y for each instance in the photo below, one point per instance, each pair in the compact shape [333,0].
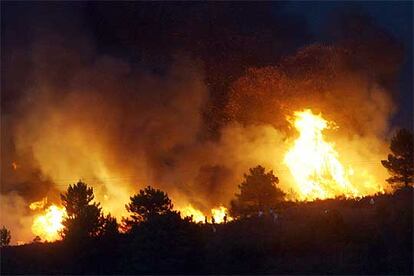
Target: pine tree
[400,163]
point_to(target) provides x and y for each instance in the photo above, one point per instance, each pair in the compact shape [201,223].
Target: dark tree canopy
[109,226]
[163,242]
[258,192]
[5,236]
[148,203]
[400,163]
[84,216]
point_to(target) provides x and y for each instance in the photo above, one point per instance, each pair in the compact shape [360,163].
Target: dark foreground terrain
[324,237]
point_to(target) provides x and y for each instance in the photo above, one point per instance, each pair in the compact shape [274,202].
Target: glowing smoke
[117,128]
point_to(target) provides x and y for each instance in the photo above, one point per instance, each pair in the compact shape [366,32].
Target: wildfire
[38,204]
[48,225]
[217,213]
[314,163]
[190,211]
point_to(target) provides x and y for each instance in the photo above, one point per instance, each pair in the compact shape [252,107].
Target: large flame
[219,214]
[314,163]
[48,225]
[189,211]
[317,169]
[199,217]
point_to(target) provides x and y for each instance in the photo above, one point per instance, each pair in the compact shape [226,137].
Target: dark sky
[148,34]
[394,16]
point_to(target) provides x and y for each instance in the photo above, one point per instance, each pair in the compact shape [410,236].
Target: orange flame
[199,217]
[38,204]
[219,214]
[190,211]
[48,225]
[315,164]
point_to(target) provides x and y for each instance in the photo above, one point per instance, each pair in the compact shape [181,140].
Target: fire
[219,214]
[48,225]
[314,163]
[38,204]
[190,211]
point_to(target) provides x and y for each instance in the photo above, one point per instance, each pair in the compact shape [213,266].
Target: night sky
[394,16]
[148,34]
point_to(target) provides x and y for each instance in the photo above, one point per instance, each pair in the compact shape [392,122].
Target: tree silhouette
[109,226]
[258,193]
[146,204]
[5,236]
[400,163]
[163,242]
[37,239]
[84,218]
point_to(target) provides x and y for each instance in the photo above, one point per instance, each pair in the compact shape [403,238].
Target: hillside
[335,236]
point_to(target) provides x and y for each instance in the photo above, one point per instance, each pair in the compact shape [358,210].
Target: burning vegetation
[156,138]
[312,167]
[201,136]
[313,162]
[316,167]
[48,225]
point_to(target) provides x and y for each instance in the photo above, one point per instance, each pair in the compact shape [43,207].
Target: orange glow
[316,167]
[219,214]
[189,211]
[48,225]
[315,163]
[15,166]
[38,204]
[199,217]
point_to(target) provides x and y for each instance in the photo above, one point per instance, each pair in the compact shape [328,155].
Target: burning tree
[84,218]
[400,163]
[147,203]
[258,193]
[5,236]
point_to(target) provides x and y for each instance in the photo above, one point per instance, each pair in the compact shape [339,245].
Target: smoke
[15,216]
[328,80]
[318,76]
[110,122]
[119,129]
[101,119]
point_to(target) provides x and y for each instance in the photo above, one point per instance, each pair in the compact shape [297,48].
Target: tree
[258,192]
[5,236]
[109,226]
[84,217]
[146,204]
[400,163]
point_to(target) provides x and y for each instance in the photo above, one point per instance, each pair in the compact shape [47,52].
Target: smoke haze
[79,114]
